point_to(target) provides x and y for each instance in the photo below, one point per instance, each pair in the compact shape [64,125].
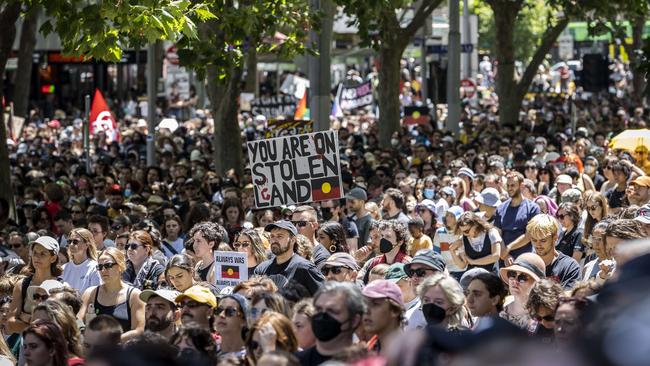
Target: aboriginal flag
[416,115]
[325,189]
[230,272]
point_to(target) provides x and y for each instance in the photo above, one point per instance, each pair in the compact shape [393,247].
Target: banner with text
[295,170]
[230,268]
[275,106]
[355,97]
[281,127]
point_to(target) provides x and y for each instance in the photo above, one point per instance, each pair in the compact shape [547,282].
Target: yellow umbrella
[631,139]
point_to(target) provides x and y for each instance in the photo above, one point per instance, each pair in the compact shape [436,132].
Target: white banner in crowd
[231,268]
[295,170]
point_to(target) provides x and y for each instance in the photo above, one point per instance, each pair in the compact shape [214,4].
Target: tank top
[121,312]
[473,254]
[203,273]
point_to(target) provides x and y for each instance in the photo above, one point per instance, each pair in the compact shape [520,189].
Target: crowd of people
[505,244]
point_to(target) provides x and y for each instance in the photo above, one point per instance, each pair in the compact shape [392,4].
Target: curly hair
[470,218]
[625,229]
[210,231]
[401,230]
[454,294]
[544,293]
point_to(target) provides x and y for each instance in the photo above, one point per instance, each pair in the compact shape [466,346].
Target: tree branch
[549,37]
[420,16]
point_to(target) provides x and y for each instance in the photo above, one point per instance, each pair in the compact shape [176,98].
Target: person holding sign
[286,262]
[206,237]
[250,242]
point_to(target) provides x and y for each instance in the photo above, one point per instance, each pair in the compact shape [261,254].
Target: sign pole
[86,132]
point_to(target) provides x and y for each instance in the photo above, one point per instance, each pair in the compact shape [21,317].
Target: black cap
[282,224]
[357,194]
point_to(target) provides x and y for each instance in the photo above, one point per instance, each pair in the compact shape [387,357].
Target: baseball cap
[643,181]
[571,195]
[469,275]
[383,289]
[356,194]
[199,294]
[429,258]
[456,211]
[169,295]
[489,197]
[643,214]
[241,300]
[282,224]
[564,179]
[342,260]
[48,243]
[395,272]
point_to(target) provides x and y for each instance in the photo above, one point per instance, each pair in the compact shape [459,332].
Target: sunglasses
[520,277]
[39,297]
[420,272]
[548,318]
[15,246]
[561,216]
[109,265]
[132,246]
[255,346]
[230,312]
[301,223]
[116,227]
[334,270]
[592,208]
[75,242]
[241,244]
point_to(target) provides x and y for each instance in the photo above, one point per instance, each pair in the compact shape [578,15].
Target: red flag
[101,119]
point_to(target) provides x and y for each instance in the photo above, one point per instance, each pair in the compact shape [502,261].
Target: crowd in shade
[506,244]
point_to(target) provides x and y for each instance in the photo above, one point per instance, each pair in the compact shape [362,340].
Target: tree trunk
[8,17]
[389,77]
[505,15]
[227,141]
[25,62]
[250,83]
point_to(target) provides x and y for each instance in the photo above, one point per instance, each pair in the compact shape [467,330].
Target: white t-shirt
[477,242]
[441,242]
[81,276]
[414,317]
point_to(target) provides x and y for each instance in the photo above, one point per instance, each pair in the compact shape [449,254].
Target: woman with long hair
[271,332]
[250,242]
[597,208]
[462,194]
[303,311]
[520,277]
[62,315]
[233,214]
[331,235]
[608,173]
[598,268]
[81,271]
[480,243]
[44,345]
[172,242]
[43,266]
[443,302]
[142,270]
[570,240]
[114,297]
[179,273]
[231,322]
[263,302]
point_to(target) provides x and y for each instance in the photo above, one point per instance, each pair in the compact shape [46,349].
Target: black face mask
[327,213]
[215,187]
[325,327]
[385,246]
[433,313]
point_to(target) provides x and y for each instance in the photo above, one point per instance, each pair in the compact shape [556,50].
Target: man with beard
[287,263]
[511,218]
[160,312]
[355,201]
[305,220]
[393,204]
[196,305]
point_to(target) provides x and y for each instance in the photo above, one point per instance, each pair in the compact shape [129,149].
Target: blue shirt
[512,221]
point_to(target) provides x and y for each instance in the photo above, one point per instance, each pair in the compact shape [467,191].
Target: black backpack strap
[169,247]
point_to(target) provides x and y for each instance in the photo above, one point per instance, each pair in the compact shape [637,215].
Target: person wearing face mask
[339,310]
[443,302]
[332,210]
[394,237]
[540,149]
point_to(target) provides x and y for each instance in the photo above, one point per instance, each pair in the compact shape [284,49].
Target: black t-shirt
[311,357]
[564,270]
[615,198]
[570,242]
[297,268]
[598,181]
[319,255]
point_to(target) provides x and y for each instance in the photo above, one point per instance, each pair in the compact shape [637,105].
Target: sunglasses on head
[230,312]
[301,223]
[334,270]
[108,265]
[39,297]
[520,277]
[420,272]
[548,318]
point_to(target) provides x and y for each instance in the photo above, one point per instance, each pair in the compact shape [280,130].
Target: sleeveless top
[473,254]
[121,312]
[203,273]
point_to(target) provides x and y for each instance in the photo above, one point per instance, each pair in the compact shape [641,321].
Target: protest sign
[416,115]
[295,170]
[275,106]
[230,268]
[279,127]
[355,97]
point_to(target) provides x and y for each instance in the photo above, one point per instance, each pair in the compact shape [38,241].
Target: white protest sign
[230,268]
[295,170]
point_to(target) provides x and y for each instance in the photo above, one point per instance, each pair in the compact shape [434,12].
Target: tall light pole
[467,39]
[453,68]
[319,66]
[152,86]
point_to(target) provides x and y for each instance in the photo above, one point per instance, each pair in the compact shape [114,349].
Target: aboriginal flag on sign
[416,115]
[230,272]
[325,189]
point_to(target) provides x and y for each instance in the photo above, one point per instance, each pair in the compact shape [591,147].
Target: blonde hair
[63,317]
[454,294]
[117,256]
[542,226]
[285,337]
[88,238]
